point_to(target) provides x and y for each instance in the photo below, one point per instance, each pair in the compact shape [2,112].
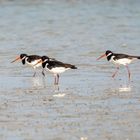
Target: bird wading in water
[119,59]
[55,67]
[31,60]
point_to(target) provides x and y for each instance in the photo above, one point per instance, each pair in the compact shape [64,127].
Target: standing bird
[55,67]
[31,60]
[119,59]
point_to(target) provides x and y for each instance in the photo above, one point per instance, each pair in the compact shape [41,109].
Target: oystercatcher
[55,67]
[30,60]
[119,59]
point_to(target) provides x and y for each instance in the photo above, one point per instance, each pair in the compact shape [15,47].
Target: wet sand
[87,104]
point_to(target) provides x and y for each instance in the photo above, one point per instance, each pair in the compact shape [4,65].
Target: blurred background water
[88,104]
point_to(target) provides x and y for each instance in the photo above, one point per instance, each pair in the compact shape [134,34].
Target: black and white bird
[55,67]
[31,60]
[119,59]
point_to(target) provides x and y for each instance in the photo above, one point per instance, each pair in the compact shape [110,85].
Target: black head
[108,52]
[22,57]
[45,58]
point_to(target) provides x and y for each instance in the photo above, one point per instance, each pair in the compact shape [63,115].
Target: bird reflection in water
[39,82]
[125,88]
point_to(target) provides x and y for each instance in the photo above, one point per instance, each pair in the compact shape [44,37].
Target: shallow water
[87,104]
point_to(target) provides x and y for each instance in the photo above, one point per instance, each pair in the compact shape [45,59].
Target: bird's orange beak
[17,58]
[104,55]
[40,61]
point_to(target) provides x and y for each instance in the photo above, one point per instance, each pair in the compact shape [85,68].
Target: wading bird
[119,59]
[55,67]
[31,60]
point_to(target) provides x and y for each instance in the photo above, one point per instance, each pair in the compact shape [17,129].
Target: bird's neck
[109,57]
[44,64]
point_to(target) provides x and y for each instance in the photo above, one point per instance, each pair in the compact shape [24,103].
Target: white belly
[58,70]
[123,61]
[33,63]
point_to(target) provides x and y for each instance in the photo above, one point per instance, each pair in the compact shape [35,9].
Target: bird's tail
[137,57]
[69,66]
[73,67]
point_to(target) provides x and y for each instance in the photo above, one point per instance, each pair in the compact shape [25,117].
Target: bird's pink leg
[43,72]
[128,72]
[115,72]
[34,74]
[57,79]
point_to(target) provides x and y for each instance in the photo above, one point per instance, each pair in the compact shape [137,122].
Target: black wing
[33,57]
[121,56]
[53,64]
